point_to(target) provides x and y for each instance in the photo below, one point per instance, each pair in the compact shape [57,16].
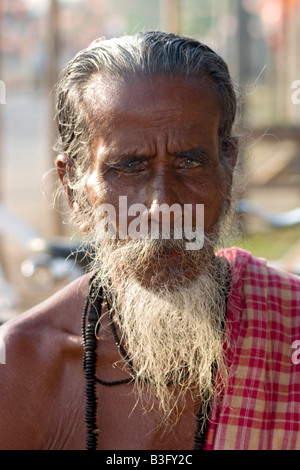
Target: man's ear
[64,166]
[65,170]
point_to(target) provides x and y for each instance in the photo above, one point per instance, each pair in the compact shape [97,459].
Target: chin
[166,278]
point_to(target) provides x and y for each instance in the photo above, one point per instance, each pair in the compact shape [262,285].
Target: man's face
[158,143]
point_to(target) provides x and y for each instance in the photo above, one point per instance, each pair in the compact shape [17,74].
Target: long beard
[173,332]
[173,327]
[174,338]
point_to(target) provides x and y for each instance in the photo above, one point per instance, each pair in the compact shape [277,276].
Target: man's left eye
[190,163]
[130,167]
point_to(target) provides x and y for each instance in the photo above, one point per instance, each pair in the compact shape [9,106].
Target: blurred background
[259,39]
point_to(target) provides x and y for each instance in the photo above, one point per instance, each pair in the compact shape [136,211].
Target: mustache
[161,239]
[190,234]
[146,249]
[140,255]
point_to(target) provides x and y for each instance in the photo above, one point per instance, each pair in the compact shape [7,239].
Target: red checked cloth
[260,406]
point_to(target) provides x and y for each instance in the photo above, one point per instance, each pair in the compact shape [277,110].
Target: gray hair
[144,54]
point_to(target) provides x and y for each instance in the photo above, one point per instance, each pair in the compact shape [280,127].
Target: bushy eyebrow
[114,158]
[193,152]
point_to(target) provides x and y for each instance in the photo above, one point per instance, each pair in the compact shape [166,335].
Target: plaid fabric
[260,406]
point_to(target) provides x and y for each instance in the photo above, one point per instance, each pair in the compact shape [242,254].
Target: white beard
[171,333]
[172,326]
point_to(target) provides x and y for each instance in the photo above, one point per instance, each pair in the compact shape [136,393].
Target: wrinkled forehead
[142,94]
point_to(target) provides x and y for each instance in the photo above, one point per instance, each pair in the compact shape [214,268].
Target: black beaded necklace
[93,304]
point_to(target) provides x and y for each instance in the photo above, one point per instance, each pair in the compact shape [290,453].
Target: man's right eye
[129,167]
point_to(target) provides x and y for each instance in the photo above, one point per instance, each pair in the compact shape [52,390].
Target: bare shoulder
[36,346]
[58,316]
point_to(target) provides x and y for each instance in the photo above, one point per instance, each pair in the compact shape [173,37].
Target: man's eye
[187,163]
[129,167]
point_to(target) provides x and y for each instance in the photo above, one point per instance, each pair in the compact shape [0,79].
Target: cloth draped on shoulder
[260,405]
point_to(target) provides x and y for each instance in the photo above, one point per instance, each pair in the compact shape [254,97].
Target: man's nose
[163,185]
[163,194]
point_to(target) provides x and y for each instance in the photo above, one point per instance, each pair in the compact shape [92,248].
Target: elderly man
[164,345]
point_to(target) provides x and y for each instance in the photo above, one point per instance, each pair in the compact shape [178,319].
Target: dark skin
[161,145]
